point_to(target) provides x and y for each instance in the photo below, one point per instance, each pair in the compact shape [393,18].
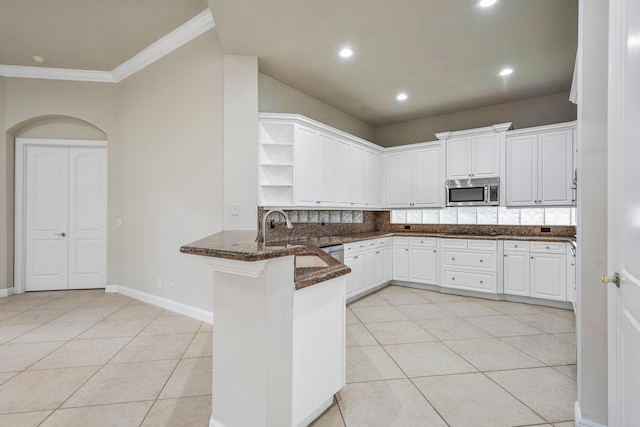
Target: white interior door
[624,214]
[87,218]
[47,213]
[65,217]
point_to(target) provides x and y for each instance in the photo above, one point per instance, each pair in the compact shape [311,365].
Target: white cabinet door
[555,168]
[378,267]
[401,263]
[516,273]
[423,265]
[305,166]
[369,269]
[521,170]
[428,179]
[324,169]
[485,156]
[357,173]
[387,262]
[373,181]
[548,276]
[459,158]
[341,173]
[399,179]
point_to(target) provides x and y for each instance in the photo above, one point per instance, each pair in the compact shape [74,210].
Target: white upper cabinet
[306,163]
[341,173]
[474,153]
[373,179]
[415,177]
[539,166]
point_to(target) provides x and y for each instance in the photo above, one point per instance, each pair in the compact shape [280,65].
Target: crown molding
[196,26]
[56,74]
[188,31]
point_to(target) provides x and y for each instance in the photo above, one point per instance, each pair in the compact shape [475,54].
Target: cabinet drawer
[370,244]
[483,245]
[516,246]
[475,260]
[403,241]
[549,247]
[429,242]
[353,247]
[481,282]
[382,242]
[453,243]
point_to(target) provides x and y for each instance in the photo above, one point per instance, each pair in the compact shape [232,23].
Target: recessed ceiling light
[346,52]
[486,3]
[505,72]
[39,59]
[402,96]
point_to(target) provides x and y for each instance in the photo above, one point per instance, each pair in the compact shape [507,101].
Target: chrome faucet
[262,233]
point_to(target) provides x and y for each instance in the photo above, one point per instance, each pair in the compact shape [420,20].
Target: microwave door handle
[486,194]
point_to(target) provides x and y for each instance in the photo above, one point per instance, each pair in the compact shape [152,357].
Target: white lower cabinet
[548,271]
[469,265]
[516,268]
[536,269]
[423,260]
[370,262]
[401,258]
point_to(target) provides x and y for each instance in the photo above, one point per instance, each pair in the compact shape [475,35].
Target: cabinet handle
[505,255]
[356,257]
[515,246]
[481,282]
[407,250]
[317,201]
[377,252]
[453,278]
[547,247]
[453,259]
[481,261]
[531,257]
[434,251]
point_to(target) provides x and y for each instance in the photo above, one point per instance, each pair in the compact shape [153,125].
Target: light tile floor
[414,358]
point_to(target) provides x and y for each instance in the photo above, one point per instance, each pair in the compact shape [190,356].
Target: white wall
[5,248]
[240,142]
[276,97]
[592,211]
[169,171]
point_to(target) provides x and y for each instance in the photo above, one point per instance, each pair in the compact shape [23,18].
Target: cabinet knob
[407,250]
[453,278]
[481,282]
[547,247]
[505,255]
[481,261]
[531,257]
[453,259]
[434,251]
[515,246]
[377,252]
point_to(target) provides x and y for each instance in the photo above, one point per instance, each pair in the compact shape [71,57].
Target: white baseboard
[178,307]
[579,421]
[6,292]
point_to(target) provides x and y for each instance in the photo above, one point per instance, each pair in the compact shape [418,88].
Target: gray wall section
[276,97]
[592,212]
[538,111]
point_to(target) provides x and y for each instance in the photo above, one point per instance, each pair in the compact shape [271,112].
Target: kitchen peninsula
[279,331]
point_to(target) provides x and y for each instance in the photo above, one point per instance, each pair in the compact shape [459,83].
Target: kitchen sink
[310,260]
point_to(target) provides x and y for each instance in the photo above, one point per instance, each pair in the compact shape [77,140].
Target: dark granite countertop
[241,246]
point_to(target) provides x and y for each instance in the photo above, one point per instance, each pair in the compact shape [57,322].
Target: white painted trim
[252,269]
[188,31]
[196,26]
[20,171]
[56,74]
[544,128]
[6,292]
[177,307]
[497,128]
[581,422]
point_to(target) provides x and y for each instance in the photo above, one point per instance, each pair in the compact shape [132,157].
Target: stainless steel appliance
[336,251]
[473,192]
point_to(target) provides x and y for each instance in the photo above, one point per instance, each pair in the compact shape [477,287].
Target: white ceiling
[444,53]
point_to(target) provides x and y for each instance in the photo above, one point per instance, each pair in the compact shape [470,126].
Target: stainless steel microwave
[473,192]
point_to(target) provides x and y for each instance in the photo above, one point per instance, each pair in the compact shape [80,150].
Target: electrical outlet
[171,286]
[159,283]
[235,210]
[407,227]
